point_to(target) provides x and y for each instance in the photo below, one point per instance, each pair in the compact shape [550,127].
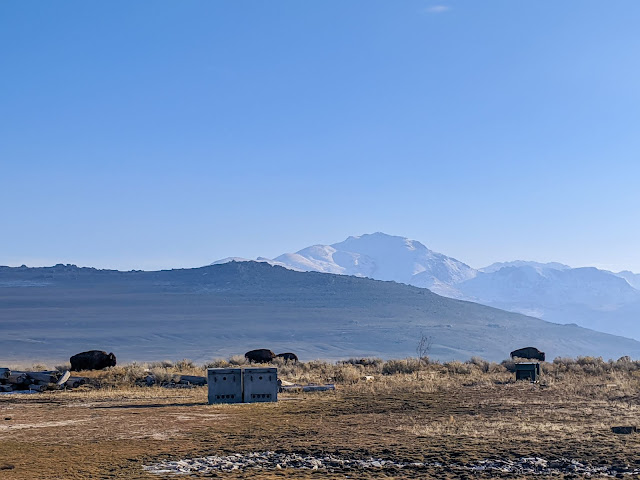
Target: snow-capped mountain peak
[588,296]
[382,257]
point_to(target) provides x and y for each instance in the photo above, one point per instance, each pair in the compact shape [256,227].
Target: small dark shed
[528,370]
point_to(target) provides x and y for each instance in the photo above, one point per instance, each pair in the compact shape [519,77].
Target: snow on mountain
[494,267]
[589,297]
[527,285]
[383,257]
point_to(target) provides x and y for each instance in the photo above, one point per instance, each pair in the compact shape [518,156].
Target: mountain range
[589,297]
[48,314]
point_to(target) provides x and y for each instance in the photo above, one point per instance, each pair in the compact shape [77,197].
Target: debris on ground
[278,461]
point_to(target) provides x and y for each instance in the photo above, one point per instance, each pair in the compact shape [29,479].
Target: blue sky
[157,134]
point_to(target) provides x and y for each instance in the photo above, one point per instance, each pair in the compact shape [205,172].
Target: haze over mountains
[327,303]
[589,297]
[48,314]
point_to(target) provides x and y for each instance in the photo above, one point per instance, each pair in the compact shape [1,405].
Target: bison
[261,355]
[288,357]
[92,360]
[531,353]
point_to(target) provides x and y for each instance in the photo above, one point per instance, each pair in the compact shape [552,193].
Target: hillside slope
[47,314]
[589,297]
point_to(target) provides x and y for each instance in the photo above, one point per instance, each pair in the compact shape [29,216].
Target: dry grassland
[452,413]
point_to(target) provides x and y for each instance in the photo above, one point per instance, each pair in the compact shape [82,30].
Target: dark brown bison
[92,360]
[288,357]
[261,355]
[531,353]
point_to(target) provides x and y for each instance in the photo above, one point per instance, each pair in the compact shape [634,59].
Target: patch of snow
[590,297]
[381,257]
[494,267]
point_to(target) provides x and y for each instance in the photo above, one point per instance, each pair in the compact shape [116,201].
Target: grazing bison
[261,355]
[288,357]
[531,353]
[92,360]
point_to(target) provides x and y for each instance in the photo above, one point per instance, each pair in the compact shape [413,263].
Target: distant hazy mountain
[587,296]
[521,263]
[632,278]
[553,291]
[48,314]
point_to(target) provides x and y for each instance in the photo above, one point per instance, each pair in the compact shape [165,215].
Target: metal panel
[530,371]
[225,385]
[260,384]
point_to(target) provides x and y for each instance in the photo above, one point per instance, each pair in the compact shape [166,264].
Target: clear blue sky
[156,134]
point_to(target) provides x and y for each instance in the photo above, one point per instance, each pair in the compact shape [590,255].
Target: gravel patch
[277,461]
[264,461]
[541,466]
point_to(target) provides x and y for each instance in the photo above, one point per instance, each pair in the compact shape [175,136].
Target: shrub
[185,364]
[237,360]
[480,363]
[458,367]
[366,362]
[346,373]
[162,375]
[496,368]
[509,365]
[408,365]
[217,363]
[62,368]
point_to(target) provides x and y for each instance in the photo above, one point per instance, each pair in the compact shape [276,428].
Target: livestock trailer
[528,370]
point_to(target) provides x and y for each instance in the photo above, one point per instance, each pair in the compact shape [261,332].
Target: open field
[455,414]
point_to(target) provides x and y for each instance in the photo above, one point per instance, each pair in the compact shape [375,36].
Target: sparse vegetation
[353,370]
[453,412]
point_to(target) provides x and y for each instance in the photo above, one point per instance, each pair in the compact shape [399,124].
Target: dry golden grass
[450,413]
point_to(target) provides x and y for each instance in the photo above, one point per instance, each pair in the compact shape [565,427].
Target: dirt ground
[111,434]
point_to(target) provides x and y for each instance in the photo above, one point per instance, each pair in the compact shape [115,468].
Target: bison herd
[98,360]
[264,355]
